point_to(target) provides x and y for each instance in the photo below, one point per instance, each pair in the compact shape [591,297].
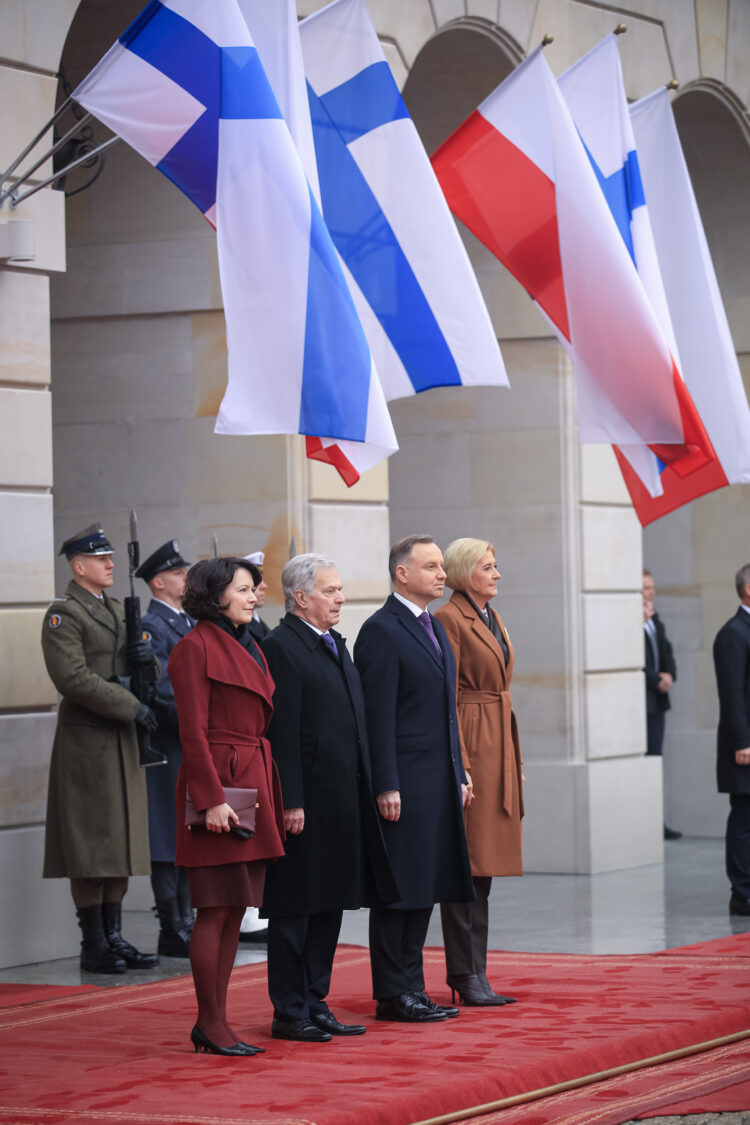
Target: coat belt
[508,762]
[233,737]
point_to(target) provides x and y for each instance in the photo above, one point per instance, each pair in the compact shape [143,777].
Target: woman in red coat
[223,693]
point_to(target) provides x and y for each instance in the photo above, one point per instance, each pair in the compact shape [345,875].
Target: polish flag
[518,176]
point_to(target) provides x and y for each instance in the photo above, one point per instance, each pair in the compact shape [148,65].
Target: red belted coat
[223,699]
[489,734]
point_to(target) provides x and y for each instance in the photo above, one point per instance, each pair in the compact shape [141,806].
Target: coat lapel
[485,635]
[414,626]
[171,617]
[228,663]
[98,609]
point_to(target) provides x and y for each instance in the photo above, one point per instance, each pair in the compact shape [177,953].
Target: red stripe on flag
[331,455]
[677,490]
[509,204]
[693,469]
[697,450]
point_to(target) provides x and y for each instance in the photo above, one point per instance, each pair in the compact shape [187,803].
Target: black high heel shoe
[472,994]
[489,990]
[201,1042]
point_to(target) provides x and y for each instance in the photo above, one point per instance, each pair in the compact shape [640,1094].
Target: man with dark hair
[97,823]
[409,680]
[660,672]
[732,667]
[165,571]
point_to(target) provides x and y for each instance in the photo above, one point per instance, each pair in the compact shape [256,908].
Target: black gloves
[145,717]
[139,652]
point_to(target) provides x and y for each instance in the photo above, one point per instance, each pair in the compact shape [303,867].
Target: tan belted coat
[489,735]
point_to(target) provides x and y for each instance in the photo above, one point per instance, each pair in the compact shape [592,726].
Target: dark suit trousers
[465,926]
[738,843]
[397,938]
[300,962]
[654,733]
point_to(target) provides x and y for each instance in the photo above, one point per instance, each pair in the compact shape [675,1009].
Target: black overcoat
[658,701]
[732,667]
[410,705]
[165,627]
[319,744]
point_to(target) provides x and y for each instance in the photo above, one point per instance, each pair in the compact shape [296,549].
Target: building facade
[112,365]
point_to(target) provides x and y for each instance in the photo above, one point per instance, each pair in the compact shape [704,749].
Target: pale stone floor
[641,910]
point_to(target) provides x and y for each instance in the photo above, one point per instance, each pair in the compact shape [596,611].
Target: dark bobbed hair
[255,573]
[206,582]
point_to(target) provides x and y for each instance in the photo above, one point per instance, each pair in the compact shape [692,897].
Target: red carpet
[122,1055]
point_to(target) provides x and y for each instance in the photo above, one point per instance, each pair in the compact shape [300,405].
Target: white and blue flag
[185,87]
[415,290]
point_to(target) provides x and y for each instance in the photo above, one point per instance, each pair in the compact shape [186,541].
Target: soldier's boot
[96,954]
[174,938]
[133,958]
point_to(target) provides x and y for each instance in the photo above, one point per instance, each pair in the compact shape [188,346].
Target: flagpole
[15,199]
[42,159]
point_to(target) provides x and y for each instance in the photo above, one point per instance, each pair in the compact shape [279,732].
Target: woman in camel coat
[492,757]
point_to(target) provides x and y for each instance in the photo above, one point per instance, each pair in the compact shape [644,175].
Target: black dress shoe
[326,1021]
[671,834]
[302,1031]
[451,1013]
[201,1042]
[739,905]
[407,1009]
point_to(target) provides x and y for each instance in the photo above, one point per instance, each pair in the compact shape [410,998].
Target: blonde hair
[460,558]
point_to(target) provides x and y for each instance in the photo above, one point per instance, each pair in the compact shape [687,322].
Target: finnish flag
[413,284]
[185,87]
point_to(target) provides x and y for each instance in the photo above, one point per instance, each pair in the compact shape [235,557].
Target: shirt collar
[415,609]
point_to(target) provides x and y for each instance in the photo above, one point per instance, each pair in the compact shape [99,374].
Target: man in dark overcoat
[166,622]
[97,822]
[408,677]
[732,667]
[660,673]
[335,856]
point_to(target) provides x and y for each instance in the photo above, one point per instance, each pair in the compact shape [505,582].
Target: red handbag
[243,801]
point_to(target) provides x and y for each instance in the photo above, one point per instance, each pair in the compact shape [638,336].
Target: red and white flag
[518,176]
[707,355]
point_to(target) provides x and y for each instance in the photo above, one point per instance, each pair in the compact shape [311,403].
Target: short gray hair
[299,574]
[742,579]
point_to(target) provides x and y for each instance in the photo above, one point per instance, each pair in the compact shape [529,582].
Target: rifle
[143,677]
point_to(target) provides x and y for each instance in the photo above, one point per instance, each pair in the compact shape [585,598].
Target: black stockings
[213,947]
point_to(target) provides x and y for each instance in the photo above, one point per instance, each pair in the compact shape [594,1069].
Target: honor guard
[97,823]
[165,572]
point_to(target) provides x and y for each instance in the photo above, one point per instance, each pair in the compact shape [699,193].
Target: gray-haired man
[335,856]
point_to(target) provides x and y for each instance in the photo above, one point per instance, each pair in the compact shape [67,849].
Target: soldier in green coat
[97,820]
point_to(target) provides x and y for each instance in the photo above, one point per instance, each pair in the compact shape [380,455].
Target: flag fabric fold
[186,88]
[595,95]
[412,282]
[707,354]
[274,29]
[518,175]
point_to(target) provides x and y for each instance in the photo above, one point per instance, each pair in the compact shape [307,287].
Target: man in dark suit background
[165,572]
[732,667]
[661,672]
[409,676]
[335,856]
